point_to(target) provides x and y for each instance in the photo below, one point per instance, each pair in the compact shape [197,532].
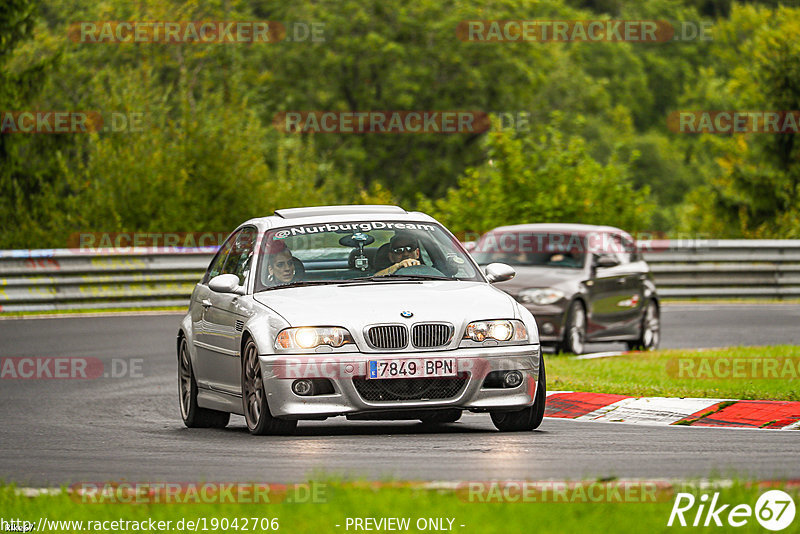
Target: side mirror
[226,283]
[606,260]
[499,272]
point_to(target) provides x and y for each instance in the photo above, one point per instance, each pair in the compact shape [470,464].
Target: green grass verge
[343,500]
[659,374]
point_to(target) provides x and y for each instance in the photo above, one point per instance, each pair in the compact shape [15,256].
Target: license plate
[412,368]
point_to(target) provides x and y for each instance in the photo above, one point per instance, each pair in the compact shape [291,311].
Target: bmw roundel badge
[406,314]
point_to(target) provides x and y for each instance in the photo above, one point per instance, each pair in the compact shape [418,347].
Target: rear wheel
[254,400]
[529,418]
[441,416]
[194,416]
[651,330]
[575,332]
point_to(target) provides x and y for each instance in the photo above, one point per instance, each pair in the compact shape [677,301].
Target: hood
[355,306]
[541,277]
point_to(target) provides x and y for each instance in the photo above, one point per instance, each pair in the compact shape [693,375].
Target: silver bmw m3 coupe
[368,312]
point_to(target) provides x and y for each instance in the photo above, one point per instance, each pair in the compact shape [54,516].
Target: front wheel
[256,410]
[575,332]
[194,416]
[650,337]
[528,418]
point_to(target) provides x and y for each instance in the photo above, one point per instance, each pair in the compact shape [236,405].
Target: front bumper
[474,364]
[549,320]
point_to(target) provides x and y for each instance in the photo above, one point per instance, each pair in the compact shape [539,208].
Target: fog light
[302,387]
[512,379]
[547,328]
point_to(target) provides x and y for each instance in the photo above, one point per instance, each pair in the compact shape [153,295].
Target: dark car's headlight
[309,337]
[540,297]
[498,330]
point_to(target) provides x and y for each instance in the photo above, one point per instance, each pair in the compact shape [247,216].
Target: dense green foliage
[207,156]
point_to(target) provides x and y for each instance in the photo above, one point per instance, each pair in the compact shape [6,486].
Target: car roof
[329,214]
[559,227]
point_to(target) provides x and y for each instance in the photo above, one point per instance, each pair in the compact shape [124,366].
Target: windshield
[374,251]
[558,250]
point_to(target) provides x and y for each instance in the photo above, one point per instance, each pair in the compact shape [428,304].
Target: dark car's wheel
[254,401]
[441,416]
[194,416]
[650,336]
[575,331]
[529,418]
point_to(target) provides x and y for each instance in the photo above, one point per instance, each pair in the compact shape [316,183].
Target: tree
[543,178]
[754,192]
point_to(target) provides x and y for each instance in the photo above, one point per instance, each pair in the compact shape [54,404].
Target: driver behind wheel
[403,252]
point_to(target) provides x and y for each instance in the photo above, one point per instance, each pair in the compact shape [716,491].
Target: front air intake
[431,335]
[389,337]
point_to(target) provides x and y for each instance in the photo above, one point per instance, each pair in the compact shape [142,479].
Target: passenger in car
[403,252]
[281,264]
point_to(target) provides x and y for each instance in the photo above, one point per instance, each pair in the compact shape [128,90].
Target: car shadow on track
[375,428]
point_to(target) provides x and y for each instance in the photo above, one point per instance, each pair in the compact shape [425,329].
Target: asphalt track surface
[65,431]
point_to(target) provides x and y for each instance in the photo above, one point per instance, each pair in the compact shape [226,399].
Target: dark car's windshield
[560,250]
[360,251]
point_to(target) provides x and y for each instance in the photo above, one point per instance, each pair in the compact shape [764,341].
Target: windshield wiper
[303,284]
[387,278]
[397,278]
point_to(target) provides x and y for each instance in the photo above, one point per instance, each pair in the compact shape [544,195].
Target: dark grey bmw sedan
[582,283]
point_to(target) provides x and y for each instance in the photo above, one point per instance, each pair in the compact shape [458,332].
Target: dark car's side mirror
[606,260]
[499,272]
[226,283]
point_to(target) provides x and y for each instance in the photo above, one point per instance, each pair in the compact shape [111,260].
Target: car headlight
[540,297]
[309,337]
[499,330]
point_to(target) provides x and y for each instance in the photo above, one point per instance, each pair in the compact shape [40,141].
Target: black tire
[528,418]
[193,416]
[441,417]
[254,399]
[650,336]
[575,331]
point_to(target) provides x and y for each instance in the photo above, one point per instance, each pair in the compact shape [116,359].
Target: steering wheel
[421,270]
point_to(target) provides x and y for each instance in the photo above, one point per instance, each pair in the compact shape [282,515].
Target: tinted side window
[218,262]
[240,258]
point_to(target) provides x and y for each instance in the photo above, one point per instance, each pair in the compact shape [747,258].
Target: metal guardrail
[70,279]
[727,268]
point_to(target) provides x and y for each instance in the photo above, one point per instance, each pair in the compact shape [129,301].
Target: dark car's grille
[392,336]
[400,389]
[429,335]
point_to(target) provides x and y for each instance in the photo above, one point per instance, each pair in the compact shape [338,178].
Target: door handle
[206,303]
